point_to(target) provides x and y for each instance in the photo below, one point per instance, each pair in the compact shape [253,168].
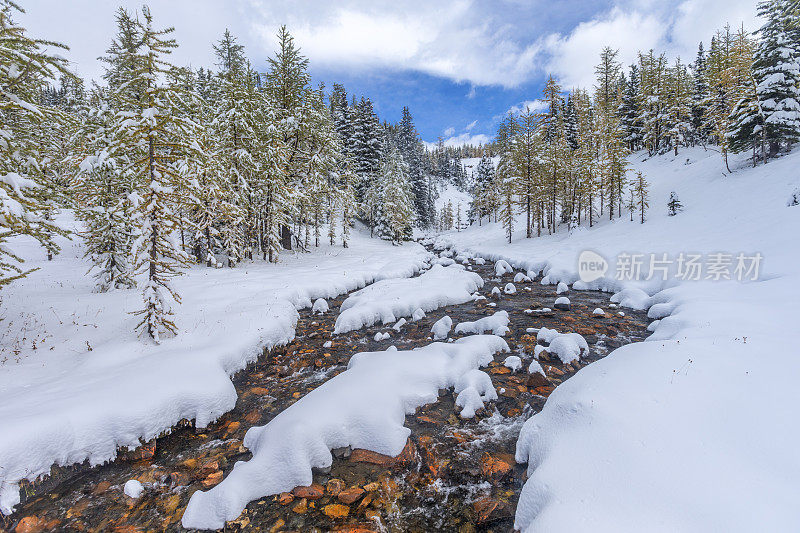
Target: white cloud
[470,125]
[461,140]
[449,131]
[664,27]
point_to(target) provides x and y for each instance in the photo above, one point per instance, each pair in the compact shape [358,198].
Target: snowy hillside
[693,430]
[76,382]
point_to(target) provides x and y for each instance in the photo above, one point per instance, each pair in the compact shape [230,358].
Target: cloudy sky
[458,65]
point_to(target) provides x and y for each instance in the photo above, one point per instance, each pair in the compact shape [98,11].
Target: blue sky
[458,65]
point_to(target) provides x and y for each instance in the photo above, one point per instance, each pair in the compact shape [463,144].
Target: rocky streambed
[453,475]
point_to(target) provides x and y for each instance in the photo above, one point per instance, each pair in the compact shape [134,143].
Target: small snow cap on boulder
[133,488]
[513,362]
[442,328]
[419,314]
[598,311]
[502,267]
[520,277]
[320,306]
[562,302]
[562,287]
[510,289]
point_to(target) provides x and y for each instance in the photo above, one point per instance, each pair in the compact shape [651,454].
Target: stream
[455,475]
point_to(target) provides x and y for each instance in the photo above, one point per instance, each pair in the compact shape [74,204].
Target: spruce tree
[674,205]
[25,68]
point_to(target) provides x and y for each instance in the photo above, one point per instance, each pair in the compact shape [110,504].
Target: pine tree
[674,205]
[161,144]
[24,202]
[397,201]
[507,207]
[639,186]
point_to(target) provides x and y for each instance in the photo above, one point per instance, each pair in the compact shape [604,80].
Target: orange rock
[311,492]
[233,426]
[285,498]
[404,458]
[500,370]
[536,380]
[484,508]
[253,416]
[207,466]
[142,453]
[101,487]
[32,524]
[335,510]
[334,486]
[78,509]
[496,466]
[350,495]
[178,478]
[372,487]
[212,479]
[429,420]
[260,391]
[301,507]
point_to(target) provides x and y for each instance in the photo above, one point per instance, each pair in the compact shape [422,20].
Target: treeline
[566,162]
[166,165]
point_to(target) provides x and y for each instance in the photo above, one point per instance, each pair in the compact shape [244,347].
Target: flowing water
[454,474]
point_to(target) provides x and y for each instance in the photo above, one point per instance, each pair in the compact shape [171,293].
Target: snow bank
[83,384]
[567,346]
[388,300]
[496,323]
[693,430]
[363,407]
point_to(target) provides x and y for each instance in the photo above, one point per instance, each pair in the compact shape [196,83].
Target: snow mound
[473,389]
[567,346]
[133,488]
[502,267]
[562,287]
[513,362]
[562,302]
[379,337]
[388,300]
[363,407]
[399,324]
[418,314]
[510,289]
[535,367]
[320,306]
[598,311]
[496,323]
[441,328]
[520,277]
[480,261]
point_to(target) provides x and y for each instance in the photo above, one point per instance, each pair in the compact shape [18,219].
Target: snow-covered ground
[695,429]
[76,383]
[363,407]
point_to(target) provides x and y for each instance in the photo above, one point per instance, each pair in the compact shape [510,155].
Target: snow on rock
[502,267]
[320,306]
[418,314]
[399,324]
[388,300]
[327,344]
[567,346]
[496,323]
[480,261]
[70,401]
[510,289]
[598,311]
[444,261]
[379,337]
[632,297]
[363,407]
[133,488]
[513,362]
[562,287]
[562,302]
[441,328]
[473,389]
[495,292]
[535,367]
[520,277]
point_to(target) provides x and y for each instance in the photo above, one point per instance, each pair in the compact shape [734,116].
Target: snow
[520,277]
[513,362]
[418,314]
[510,289]
[496,291]
[399,324]
[598,311]
[379,337]
[562,287]
[562,302]
[76,382]
[502,267]
[320,306]
[692,430]
[363,407]
[535,367]
[388,300]
[327,344]
[496,323]
[474,388]
[133,488]
[441,328]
